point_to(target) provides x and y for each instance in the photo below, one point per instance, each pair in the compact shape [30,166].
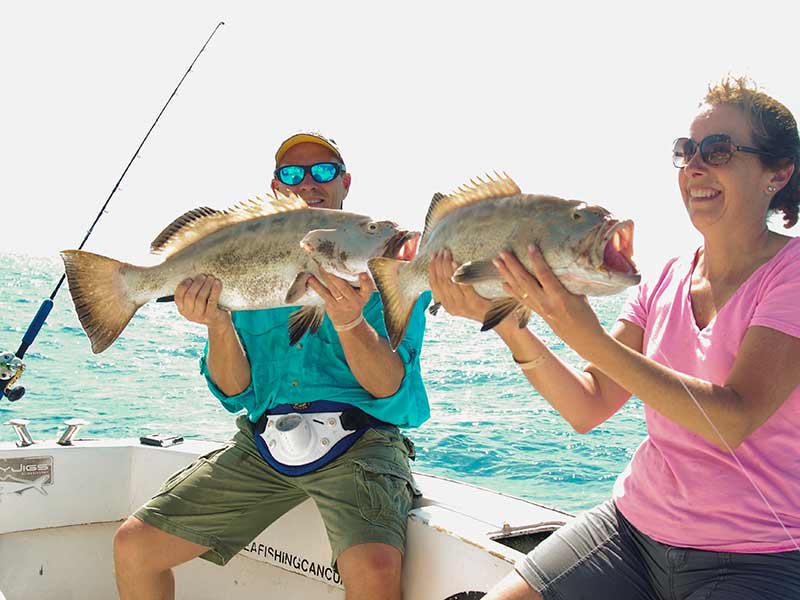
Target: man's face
[317,195]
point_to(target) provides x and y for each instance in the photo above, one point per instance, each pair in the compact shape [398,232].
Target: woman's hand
[458,300]
[343,302]
[569,316]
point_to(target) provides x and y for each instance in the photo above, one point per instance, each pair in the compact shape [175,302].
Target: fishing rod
[11,364]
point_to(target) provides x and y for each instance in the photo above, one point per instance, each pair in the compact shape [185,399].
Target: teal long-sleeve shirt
[316,367]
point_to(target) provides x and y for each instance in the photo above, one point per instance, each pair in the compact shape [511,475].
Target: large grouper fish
[257,249]
[589,251]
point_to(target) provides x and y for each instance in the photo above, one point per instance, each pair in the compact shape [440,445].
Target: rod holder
[21,428]
[295,433]
[73,425]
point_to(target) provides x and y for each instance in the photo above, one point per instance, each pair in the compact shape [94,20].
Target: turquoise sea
[487,426]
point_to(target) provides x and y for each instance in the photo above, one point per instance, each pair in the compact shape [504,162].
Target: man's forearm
[227,360]
[379,370]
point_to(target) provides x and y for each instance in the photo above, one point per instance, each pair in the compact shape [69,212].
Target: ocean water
[488,426]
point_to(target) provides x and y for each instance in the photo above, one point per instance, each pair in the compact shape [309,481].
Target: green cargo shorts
[226,498]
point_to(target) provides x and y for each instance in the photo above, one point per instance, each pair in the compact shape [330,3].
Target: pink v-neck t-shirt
[681,490]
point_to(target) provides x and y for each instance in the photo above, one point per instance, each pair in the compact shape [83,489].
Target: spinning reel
[11,365]
[11,368]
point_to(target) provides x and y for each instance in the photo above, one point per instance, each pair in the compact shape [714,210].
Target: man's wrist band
[351,325]
[532,364]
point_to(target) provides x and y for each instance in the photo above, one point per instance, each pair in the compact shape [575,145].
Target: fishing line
[11,366]
[733,454]
[130,162]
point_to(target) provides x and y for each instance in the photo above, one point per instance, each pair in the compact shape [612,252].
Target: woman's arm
[584,398]
[766,369]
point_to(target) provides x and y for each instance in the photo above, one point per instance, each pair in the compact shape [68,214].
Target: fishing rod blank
[11,365]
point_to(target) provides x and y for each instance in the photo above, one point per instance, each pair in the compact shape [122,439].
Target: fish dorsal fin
[200,222]
[499,186]
[184,221]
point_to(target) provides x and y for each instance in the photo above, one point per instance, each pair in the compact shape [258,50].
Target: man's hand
[343,303]
[197,300]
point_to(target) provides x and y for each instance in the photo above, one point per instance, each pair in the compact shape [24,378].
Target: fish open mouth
[396,242]
[618,248]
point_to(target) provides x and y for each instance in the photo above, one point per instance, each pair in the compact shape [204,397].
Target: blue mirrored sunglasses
[322,172]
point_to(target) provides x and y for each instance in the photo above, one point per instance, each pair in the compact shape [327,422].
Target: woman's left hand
[458,300]
[343,302]
[570,316]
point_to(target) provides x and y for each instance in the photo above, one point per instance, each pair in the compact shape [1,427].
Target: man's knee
[371,561]
[130,541]
[142,547]
[384,561]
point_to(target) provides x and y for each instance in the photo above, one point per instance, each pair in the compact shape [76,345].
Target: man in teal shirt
[250,366]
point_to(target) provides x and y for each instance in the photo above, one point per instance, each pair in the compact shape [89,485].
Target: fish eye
[577,216]
[372,226]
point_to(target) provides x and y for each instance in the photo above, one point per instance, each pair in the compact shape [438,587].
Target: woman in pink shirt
[709,506]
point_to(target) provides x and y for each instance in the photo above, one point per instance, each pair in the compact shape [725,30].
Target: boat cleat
[21,429]
[73,425]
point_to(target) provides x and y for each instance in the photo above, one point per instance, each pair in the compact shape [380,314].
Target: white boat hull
[60,506]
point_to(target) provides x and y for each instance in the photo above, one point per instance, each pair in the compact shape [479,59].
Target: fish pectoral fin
[499,310]
[308,317]
[472,272]
[523,314]
[434,308]
[298,288]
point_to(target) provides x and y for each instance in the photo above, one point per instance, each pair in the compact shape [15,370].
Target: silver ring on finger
[337,298]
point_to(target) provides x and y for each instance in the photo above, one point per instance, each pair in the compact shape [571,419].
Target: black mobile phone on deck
[160,439]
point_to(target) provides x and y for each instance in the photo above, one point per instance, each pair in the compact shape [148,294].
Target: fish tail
[100,295]
[397,296]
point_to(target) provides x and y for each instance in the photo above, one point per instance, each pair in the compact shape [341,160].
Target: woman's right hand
[198,301]
[458,300]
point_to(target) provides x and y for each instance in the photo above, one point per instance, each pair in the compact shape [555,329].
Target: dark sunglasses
[715,150]
[322,172]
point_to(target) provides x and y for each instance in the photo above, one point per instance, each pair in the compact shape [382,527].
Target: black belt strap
[355,418]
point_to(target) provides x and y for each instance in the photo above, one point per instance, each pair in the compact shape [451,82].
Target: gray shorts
[601,556]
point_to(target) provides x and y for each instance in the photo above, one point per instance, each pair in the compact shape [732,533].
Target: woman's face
[732,194]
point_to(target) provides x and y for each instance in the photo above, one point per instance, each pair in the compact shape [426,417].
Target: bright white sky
[580,100]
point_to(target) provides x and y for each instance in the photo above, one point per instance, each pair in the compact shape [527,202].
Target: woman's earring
[770,189]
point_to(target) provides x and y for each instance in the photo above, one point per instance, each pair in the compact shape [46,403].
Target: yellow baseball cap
[306,136]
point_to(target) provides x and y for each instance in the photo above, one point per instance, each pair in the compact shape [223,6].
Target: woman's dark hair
[774,131]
